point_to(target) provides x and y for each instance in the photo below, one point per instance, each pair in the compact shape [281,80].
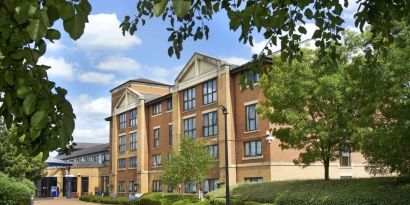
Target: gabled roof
[90,150]
[144,81]
[54,162]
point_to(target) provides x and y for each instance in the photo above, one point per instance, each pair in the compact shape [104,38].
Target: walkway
[60,201]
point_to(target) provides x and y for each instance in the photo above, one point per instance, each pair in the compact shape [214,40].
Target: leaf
[159,7]
[75,26]
[170,51]
[53,34]
[302,30]
[29,104]
[67,11]
[36,29]
[181,7]
[67,126]
[39,119]
[23,92]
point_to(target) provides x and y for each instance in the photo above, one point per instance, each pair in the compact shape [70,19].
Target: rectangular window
[189,98]
[156,186]
[170,135]
[96,158]
[133,162]
[132,186]
[345,160]
[251,118]
[210,185]
[190,128]
[209,92]
[123,121]
[156,138]
[254,180]
[190,187]
[121,186]
[121,164]
[133,118]
[212,150]
[170,189]
[210,124]
[252,77]
[169,104]
[122,144]
[253,148]
[156,160]
[133,141]
[156,109]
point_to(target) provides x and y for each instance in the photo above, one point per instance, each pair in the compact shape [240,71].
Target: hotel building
[149,117]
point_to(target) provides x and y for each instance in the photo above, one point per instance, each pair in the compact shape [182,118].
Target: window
[190,187]
[209,92]
[121,163]
[156,138]
[133,162]
[96,158]
[156,160]
[209,124]
[189,98]
[170,189]
[133,118]
[212,150]
[253,148]
[345,158]
[132,186]
[123,121]
[210,185]
[77,160]
[252,78]
[190,127]
[122,144]
[254,180]
[133,141]
[121,186]
[104,183]
[170,135]
[156,109]
[169,104]
[251,118]
[156,186]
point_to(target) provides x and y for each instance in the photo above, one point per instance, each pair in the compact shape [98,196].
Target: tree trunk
[326,165]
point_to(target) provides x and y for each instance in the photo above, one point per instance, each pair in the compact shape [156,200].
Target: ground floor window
[345,158]
[345,177]
[132,186]
[170,188]
[190,187]
[104,184]
[84,184]
[254,180]
[121,186]
[210,185]
[156,186]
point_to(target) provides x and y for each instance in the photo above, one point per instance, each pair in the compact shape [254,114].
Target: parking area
[60,201]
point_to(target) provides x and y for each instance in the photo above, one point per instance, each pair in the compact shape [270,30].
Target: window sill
[189,110]
[156,114]
[157,166]
[122,169]
[132,168]
[169,111]
[345,167]
[155,148]
[253,157]
[252,131]
[212,103]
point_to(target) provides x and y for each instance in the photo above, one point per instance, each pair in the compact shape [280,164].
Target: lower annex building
[149,117]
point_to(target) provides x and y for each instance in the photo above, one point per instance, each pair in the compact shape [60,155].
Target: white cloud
[236,60]
[103,32]
[59,67]
[97,135]
[96,78]
[119,64]
[55,47]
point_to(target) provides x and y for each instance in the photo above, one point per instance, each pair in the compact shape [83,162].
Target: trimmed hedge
[373,191]
[15,192]
[107,200]
[148,199]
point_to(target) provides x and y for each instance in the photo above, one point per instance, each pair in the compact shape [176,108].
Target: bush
[15,192]
[107,200]
[373,191]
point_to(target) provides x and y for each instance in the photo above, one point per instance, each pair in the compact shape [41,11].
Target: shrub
[15,192]
[107,200]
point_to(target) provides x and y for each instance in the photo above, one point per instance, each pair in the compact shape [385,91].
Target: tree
[16,164]
[313,100]
[281,22]
[191,163]
[43,117]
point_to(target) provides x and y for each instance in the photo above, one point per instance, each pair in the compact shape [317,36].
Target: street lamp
[225,113]
[269,135]
[68,178]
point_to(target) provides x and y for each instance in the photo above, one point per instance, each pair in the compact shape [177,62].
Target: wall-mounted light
[270,135]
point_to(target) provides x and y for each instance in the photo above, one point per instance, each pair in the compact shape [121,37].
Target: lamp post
[225,113]
[68,184]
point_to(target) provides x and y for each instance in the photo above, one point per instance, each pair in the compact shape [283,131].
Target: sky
[103,58]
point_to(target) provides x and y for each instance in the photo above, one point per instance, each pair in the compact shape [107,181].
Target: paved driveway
[60,201]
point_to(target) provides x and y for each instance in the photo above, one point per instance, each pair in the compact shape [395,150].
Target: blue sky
[102,59]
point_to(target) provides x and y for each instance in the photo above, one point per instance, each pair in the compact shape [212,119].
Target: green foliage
[373,191]
[14,163]
[148,199]
[281,22]
[39,109]
[107,200]
[15,192]
[191,163]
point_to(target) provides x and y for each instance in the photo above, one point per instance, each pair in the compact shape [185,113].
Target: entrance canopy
[53,162]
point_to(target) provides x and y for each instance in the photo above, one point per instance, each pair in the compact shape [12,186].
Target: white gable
[129,99]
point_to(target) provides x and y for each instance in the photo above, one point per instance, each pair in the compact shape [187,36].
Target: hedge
[107,200]
[148,199]
[15,192]
[373,191]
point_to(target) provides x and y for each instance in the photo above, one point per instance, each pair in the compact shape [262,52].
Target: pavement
[60,201]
